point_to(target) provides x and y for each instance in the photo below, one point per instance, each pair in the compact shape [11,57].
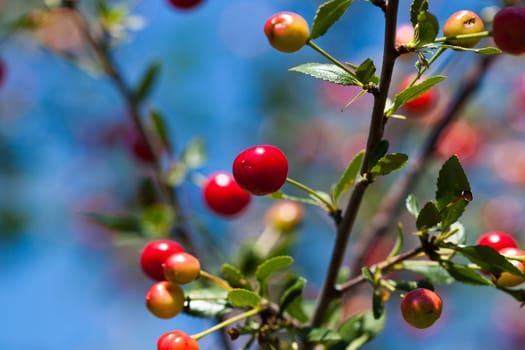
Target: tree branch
[328,292]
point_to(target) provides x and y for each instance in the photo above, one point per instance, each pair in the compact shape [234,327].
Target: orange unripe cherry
[463,22]
[165,299]
[285,215]
[507,279]
[287,31]
[181,268]
[421,307]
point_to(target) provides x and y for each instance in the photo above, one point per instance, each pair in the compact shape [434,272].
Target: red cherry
[176,340]
[497,240]
[459,138]
[154,254]
[224,196]
[421,307]
[165,299]
[261,170]
[185,4]
[181,268]
[508,30]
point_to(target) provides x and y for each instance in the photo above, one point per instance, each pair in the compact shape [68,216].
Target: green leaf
[147,81]
[194,155]
[389,163]
[452,184]
[327,14]
[290,299]
[425,31]
[158,220]
[428,217]
[379,152]
[398,245]
[487,259]
[235,277]
[368,275]
[415,8]
[207,303]
[465,274]
[177,174]
[435,273]
[412,92]
[244,298]
[271,265]
[365,72]
[328,72]
[159,125]
[118,223]
[349,176]
[361,328]
[319,335]
[412,205]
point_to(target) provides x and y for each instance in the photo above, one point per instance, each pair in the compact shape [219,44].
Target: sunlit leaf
[328,72]
[327,14]
[244,298]
[389,163]
[428,217]
[349,176]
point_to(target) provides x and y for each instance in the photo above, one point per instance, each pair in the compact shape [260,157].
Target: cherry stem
[228,322]
[331,208]
[217,280]
[332,59]
[384,265]
[483,34]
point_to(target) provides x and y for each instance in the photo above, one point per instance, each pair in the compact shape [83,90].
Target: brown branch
[386,216]
[344,228]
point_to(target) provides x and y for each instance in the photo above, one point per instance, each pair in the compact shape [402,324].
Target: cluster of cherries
[421,307]
[506,245]
[166,262]
[258,170]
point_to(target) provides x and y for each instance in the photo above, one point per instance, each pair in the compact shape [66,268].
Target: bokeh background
[66,283]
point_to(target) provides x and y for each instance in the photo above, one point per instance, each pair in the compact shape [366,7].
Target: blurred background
[66,150]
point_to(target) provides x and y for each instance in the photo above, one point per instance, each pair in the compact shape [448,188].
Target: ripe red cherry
[508,30]
[261,170]
[165,299]
[507,279]
[287,31]
[463,22]
[421,102]
[224,196]
[154,254]
[185,4]
[421,307]
[497,240]
[461,139]
[176,340]
[181,268]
